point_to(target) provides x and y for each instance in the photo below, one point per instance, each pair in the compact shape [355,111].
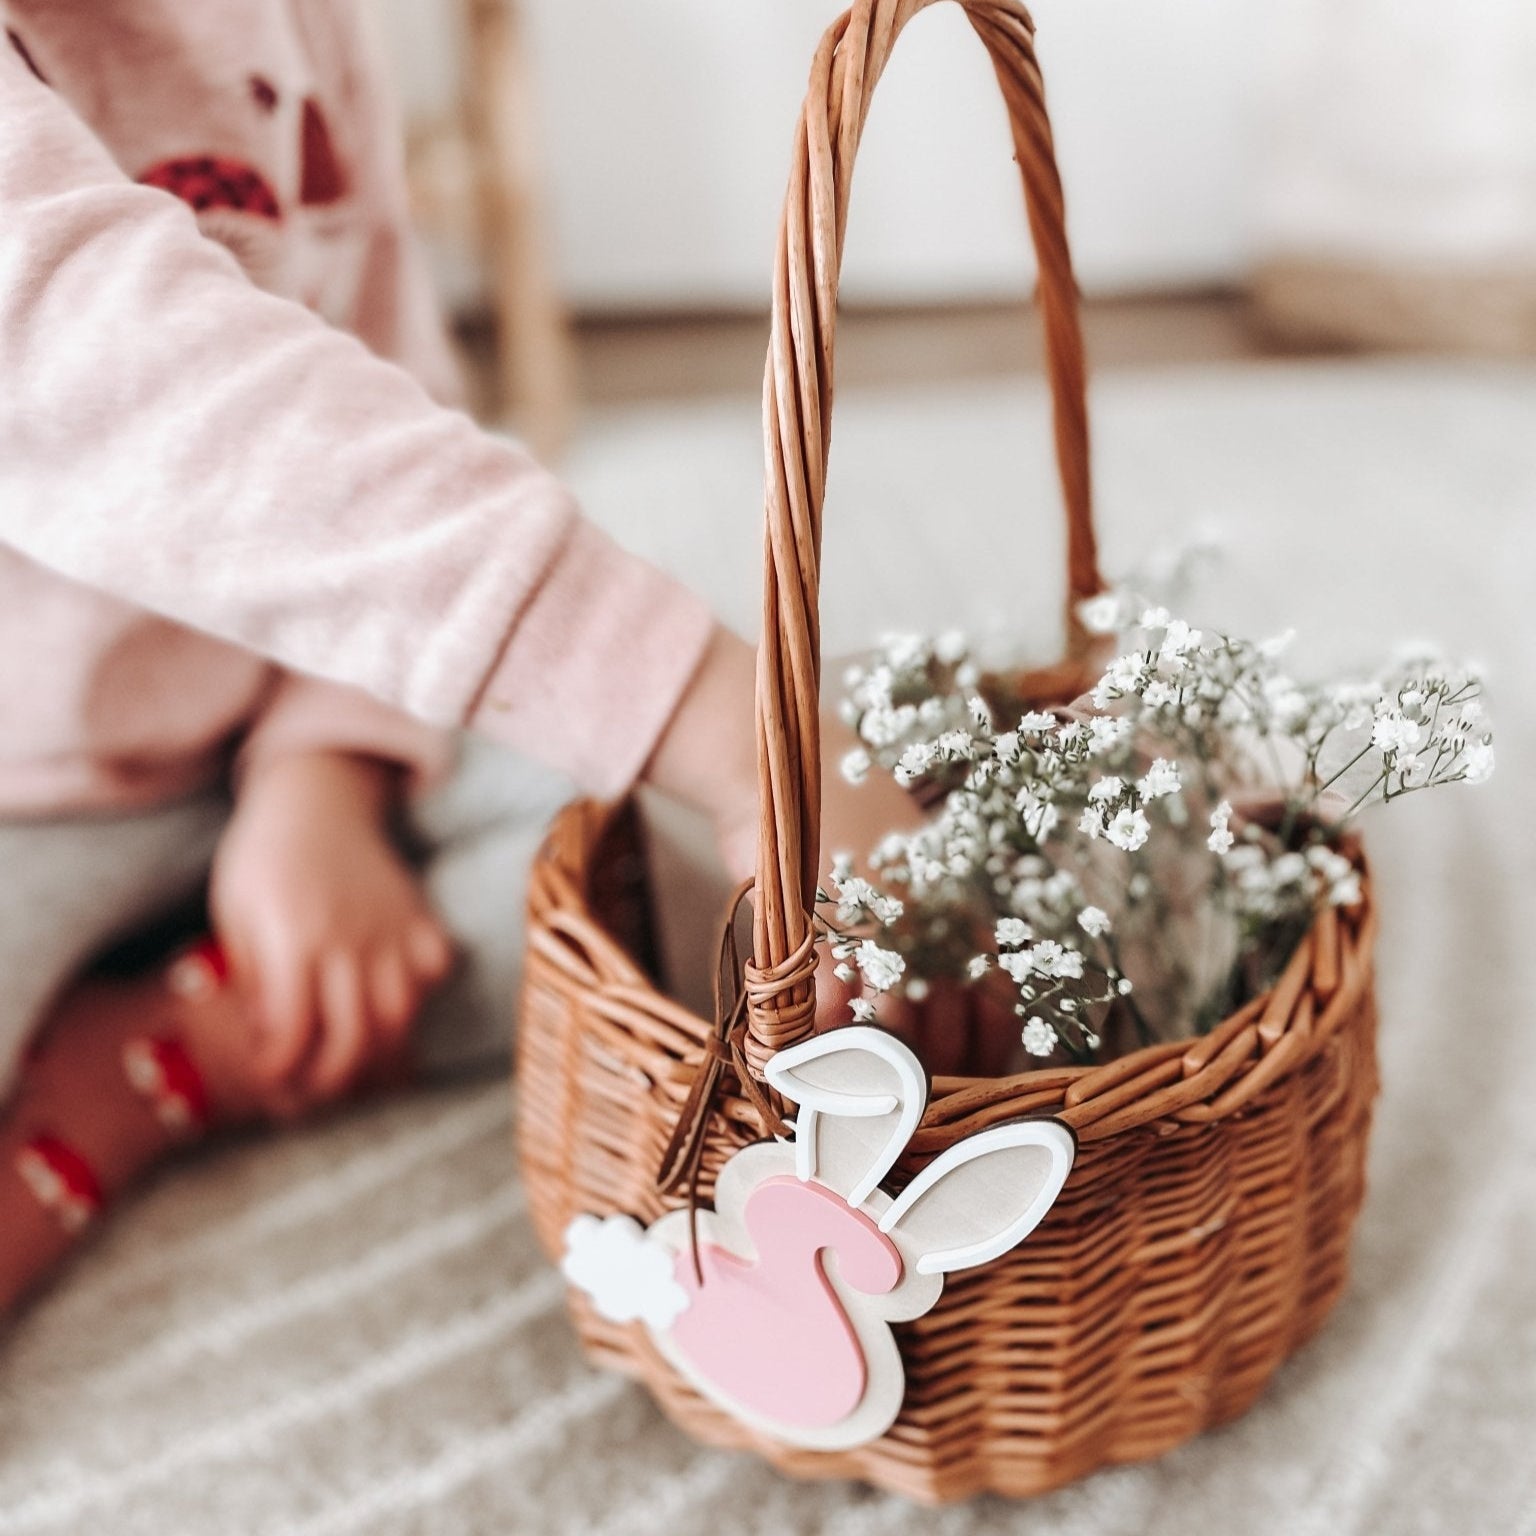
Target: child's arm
[328,929]
[707,756]
[173,435]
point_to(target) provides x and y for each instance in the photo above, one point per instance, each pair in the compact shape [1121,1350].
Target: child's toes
[50,1194]
[196,1059]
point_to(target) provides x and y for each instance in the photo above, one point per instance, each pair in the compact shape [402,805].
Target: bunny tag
[805,1262]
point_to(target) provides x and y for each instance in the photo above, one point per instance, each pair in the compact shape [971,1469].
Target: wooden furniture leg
[534,364]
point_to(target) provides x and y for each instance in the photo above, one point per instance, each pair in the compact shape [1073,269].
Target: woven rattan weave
[1203,1233]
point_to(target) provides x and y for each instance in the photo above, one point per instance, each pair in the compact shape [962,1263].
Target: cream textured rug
[349,1330]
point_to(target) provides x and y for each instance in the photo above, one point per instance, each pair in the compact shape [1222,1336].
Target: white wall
[1404,132]
[667,126]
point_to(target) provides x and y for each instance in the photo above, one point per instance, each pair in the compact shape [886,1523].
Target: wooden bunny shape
[806,1262]
[771,1331]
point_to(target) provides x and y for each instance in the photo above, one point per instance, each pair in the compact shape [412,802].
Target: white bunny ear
[984,1195]
[861,1093]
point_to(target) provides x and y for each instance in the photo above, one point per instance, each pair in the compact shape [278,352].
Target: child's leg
[96,1078]
[122,1072]
[476,838]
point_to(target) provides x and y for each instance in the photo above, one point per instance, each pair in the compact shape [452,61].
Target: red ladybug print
[207,182]
[263,93]
[323,180]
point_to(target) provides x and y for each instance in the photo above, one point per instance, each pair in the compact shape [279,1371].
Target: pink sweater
[223,518]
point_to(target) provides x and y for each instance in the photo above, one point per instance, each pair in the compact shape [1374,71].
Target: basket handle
[797,421]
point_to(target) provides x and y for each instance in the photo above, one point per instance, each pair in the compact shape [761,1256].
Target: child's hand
[327,931]
[708,757]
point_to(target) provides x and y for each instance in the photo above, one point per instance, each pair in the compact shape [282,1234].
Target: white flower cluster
[1221,839]
[858,903]
[1223,700]
[912,693]
[1267,889]
[1430,728]
[991,847]
[1049,826]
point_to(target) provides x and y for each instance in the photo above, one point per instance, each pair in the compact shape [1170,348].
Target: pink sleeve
[307,714]
[173,435]
[397,314]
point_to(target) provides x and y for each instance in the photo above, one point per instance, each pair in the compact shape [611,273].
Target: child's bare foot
[123,1072]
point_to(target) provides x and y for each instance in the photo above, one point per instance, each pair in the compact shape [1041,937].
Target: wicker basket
[1203,1233]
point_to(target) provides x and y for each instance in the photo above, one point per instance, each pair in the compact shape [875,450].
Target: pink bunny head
[805,1262]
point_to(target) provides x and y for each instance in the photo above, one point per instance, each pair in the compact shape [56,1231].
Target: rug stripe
[495,1450]
[317,1197]
[225,1331]
[75,1490]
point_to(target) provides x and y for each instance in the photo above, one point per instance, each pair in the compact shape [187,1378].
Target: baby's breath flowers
[1133,863]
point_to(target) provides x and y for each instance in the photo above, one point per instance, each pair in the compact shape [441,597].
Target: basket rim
[1172,1084]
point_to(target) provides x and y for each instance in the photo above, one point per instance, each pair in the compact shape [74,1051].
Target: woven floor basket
[1203,1233]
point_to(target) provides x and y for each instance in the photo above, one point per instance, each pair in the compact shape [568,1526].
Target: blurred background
[1306,237]
[602,182]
